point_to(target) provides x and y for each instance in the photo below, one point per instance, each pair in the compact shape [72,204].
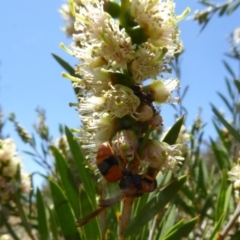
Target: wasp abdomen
[110,170]
[108,164]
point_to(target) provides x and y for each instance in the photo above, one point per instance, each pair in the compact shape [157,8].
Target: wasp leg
[111,201]
[89,217]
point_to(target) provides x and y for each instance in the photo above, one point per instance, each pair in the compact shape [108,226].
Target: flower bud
[125,144]
[144,113]
[162,156]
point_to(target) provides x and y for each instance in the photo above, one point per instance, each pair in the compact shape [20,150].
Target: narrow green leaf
[64,212]
[221,197]
[227,66]
[9,227]
[84,173]
[208,3]
[41,217]
[222,159]
[237,84]
[53,224]
[187,208]
[185,90]
[66,66]
[154,206]
[229,106]
[229,127]
[174,228]
[216,228]
[223,10]
[20,207]
[69,184]
[169,219]
[113,8]
[202,177]
[188,193]
[221,135]
[141,201]
[230,91]
[30,153]
[87,208]
[209,200]
[227,198]
[183,230]
[233,7]
[172,134]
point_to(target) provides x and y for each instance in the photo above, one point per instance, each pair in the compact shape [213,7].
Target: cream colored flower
[125,144]
[158,19]
[234,176]
[10,169]
[7,149]
[161,90]
[162,156]
[237,35]
[121,101]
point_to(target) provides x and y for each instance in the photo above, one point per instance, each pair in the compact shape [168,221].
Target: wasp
[131,184]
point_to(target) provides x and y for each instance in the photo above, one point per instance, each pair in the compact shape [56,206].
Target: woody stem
[126,214]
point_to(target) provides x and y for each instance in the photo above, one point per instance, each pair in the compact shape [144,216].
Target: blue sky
[30,77]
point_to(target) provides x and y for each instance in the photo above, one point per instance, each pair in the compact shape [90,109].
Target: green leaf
[84,173]
[187,208]
[113,8]
[41,217]
[237,84]
[174,228]
[223,10]
[229,69]
[228,198]
[230,91]
[66,66]
[20,207]
[233,7]
[68,181]
[169,219]
[225,141]
[185,90]
[86,208]
[172,134]
[225,101]
[53,224]
[155,205]
[64,212]
[220,155]
[216,228]
[229,127]
[202,177]
[30,153]
[180,231]
[141,202]
[221,197]
[8,227]
[209,200]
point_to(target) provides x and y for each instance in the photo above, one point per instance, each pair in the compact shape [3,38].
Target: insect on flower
[131,184]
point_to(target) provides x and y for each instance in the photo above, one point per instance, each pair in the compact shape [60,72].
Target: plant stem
[126,214]
[230,224]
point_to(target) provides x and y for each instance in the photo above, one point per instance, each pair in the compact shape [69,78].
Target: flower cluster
[123,52]
[234,174]
[68,18]
[9,163]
